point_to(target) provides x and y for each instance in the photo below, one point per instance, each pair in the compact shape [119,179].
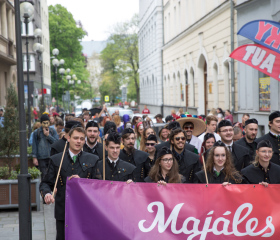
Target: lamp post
[39,49]
[68,78]
[27,14]
[62,71]
[55,63]
[73,82]
[24,191]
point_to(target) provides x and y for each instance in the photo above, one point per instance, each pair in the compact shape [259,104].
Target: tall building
[150,40]
[196,63]
[8,73]
[40,20]
[258,93]
[91,51]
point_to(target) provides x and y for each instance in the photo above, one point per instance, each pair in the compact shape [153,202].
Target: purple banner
[98,209]
[264,32]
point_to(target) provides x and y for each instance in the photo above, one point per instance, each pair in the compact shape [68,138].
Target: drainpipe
[232,60]
[161,55]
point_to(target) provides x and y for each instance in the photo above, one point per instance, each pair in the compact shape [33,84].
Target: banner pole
[103,159]
[59,168]
[204,169]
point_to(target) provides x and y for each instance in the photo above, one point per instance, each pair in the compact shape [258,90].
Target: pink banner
[260,58]
[98,209]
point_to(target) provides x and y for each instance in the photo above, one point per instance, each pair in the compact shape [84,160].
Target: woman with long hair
[165,169]
[219,167]
[146,133]
[208,142]
[262,171]
[139,133]
[220,114]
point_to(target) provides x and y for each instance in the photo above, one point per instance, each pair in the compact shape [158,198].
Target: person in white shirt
[211,126]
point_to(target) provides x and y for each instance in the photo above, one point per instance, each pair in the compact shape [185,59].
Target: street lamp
[39,49]
[73,82]
[27,14]
[55,63]
[62,71]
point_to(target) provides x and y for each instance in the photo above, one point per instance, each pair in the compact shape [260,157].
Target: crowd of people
[189,149]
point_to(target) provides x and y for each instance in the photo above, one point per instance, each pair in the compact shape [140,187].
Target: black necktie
[229,148]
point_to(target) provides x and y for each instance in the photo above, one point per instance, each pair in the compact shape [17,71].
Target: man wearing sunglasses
[188,161]
[240,154]
[136,157]
[188,127]
[150,148]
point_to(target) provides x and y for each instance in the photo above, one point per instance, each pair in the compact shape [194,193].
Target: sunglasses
[150,144]
[186,128]
[178,138]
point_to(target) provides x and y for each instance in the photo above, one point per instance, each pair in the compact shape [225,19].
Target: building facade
[196,63]
[40,20]
[150,40]
[91,51]
[8,73]
[258,93]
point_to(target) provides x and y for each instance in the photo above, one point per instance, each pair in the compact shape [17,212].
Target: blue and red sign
[264,32]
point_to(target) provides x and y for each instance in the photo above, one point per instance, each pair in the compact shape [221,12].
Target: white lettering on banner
[258,58]
[250,226]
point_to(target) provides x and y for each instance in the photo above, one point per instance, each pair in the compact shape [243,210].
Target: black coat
[213,178]
[97,150]
[251,147]
[166,179]
[275,144]
[189,147]
[240,155]
[256,174]
[140,160]
[85,167]
[189,165]
[122,172]
[58,146]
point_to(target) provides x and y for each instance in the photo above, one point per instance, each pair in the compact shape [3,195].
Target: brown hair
[175,132]
[174,176]
[78,129]
[59,122]
[117,120]
[144,139]
[210,118]
[229,169]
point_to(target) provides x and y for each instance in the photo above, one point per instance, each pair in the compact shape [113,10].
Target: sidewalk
[43,224]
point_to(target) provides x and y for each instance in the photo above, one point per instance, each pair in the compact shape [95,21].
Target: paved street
[43,224]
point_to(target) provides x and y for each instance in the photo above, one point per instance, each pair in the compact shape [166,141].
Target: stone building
[91,51]
[150,40]
[8,73]
[196,63]
[258,93]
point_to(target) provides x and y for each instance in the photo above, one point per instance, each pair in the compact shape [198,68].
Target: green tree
[120,58]
[9,136]
[65,35]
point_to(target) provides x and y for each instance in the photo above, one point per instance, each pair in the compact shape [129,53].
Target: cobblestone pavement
[43,224]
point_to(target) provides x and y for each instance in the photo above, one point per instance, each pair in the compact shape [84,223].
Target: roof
[90,47]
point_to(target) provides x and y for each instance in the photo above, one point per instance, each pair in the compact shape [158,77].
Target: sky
[99,16]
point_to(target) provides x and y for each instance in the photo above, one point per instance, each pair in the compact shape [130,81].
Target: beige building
[7,48]
[196,63]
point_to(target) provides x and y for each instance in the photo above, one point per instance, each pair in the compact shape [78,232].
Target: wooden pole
[103,159]
[204,168]
[59,168]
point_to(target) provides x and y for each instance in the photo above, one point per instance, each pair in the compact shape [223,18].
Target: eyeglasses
[150,144]
[178,138]
[186,128]
[167,160]
[228,130]
[266,152]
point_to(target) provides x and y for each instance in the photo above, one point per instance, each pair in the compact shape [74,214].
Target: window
[31,64]
[264,92]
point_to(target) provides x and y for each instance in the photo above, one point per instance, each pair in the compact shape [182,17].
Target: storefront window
[264,92]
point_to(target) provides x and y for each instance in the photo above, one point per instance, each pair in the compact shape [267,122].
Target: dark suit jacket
[212,178]
[251,147]
[58,146]
[98,150]
[85,167]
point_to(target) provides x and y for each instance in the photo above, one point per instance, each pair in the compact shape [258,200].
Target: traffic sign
[106,99]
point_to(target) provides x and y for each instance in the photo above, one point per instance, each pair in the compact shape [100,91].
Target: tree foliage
[120,60]
[9,135]
[65,35]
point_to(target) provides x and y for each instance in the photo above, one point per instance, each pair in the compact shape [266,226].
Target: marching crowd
[187,149]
